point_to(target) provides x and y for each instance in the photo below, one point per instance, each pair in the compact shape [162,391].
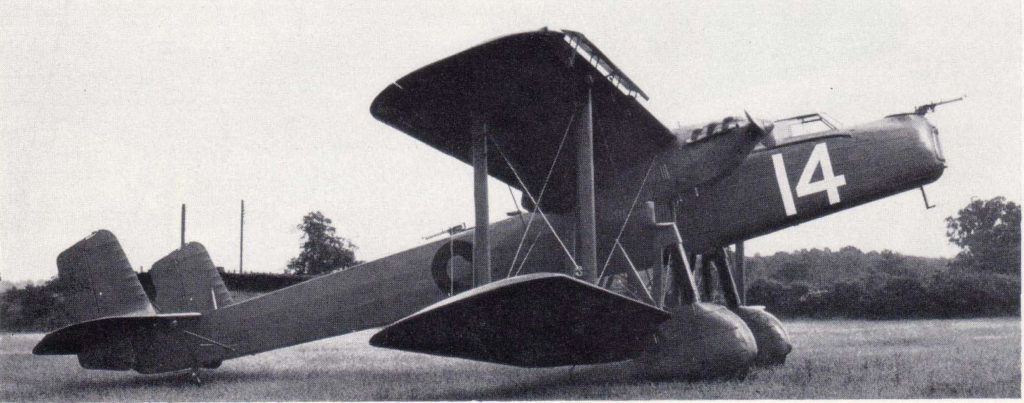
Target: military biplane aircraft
[611,260]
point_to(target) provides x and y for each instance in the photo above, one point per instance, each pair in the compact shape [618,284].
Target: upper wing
[526,87]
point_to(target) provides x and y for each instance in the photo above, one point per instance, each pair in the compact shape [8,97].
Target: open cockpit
[781,132]
[800,128]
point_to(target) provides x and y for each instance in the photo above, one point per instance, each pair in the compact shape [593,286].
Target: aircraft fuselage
[771,189]
[823,174]
[779,187]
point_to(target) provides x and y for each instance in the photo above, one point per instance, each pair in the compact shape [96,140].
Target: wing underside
[526,88]
[535,320]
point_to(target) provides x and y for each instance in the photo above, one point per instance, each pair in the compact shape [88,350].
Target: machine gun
[450,231]
[923,109]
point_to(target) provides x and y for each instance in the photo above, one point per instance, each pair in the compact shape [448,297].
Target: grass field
[977,358]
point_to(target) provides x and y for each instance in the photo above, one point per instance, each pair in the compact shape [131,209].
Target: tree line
[982,280]
[852,284]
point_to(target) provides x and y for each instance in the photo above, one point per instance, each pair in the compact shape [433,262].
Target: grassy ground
[977,358]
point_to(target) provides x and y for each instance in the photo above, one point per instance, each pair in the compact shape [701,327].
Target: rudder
[187,281]
[99,281]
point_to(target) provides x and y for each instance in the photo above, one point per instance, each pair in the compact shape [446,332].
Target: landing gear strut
[701,340]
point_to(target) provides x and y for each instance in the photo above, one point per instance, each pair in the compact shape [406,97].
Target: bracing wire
[451,265]
[518,210]
[527,255]
[628,215]
[540,196]
[534,201]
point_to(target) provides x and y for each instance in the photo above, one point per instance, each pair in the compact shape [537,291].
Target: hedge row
[945,294]
[33,308]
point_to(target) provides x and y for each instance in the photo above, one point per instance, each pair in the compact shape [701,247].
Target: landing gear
[701,340]
[772,340]
[193,376]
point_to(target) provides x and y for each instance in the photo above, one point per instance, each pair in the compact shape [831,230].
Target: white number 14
[829,182]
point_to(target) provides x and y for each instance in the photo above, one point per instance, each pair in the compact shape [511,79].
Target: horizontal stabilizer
[77,338]
[535,320]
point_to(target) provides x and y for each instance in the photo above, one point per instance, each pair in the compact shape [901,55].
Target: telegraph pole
[241,238]
[182,225]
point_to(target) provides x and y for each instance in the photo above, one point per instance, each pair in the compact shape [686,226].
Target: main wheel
[195,378]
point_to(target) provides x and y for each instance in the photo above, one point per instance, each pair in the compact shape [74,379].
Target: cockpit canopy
[799,128]
[803,125]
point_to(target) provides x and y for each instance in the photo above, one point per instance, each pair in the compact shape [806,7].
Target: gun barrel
[923,109]
[450,231]
[949,101]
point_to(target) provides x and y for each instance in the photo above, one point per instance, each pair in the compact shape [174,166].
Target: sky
[114,114]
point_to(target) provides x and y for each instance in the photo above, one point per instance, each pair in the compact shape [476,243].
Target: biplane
[622,238]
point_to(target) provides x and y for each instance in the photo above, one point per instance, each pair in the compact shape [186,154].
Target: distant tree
[988,234]
[891,263]
[322,250]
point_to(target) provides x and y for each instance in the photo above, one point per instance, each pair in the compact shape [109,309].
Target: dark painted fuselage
[864,163]
[868,162]
[819,174]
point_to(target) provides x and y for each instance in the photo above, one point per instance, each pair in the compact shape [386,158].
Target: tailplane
[116,327]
